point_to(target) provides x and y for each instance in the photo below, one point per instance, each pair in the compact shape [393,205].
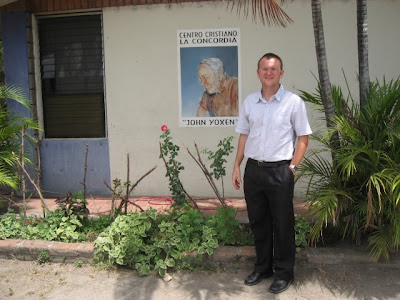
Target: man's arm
[236,178]
[300,150]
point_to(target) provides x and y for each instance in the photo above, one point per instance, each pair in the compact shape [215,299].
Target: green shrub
[359,192]
[168,152]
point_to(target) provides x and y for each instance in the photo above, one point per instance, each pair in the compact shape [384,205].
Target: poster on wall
[208,76]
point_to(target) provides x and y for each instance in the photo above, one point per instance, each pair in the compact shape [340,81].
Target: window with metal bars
[72,70]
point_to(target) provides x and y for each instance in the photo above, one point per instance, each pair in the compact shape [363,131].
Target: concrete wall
[142,79]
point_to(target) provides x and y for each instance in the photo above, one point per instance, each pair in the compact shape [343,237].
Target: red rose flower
[164,128]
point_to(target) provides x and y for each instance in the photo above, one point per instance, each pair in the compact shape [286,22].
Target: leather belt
[268,164]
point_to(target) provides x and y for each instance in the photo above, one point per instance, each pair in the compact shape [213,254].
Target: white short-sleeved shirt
[272,127]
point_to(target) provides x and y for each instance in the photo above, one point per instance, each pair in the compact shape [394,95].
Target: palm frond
[379,241]
[8,178]
[395,221]
[396,189]
[15,93]
[268,11]
[315,99]
[12,126]
[317,169]
[324,207]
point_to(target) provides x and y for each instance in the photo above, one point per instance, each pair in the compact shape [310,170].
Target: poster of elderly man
[208,77]
[221,91]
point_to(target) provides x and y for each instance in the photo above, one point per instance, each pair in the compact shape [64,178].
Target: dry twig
[44,207]
[129,188]
[85,171]
[206,173]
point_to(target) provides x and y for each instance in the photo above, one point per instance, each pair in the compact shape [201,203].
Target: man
[269,122]
[220,98]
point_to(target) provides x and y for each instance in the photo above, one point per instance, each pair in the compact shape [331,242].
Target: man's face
[208,79]
[269,72]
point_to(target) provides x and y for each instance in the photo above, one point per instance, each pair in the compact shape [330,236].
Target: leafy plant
[74,204]
[218,159]
[56,226]
[150,242]
[229,230]
[360,191]
[168,153]
[217,165]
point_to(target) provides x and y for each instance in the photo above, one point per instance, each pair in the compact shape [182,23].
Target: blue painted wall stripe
[63,164]
[14,29]
[16,69]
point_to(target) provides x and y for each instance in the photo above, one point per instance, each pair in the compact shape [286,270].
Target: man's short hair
[215,64]
[270,55]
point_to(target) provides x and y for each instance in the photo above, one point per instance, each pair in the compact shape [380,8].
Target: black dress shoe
[279,286]
[256,277]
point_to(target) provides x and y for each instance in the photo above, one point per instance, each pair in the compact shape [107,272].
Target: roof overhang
[5,2]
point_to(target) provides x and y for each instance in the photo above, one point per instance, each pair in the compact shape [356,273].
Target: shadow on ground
[366,281]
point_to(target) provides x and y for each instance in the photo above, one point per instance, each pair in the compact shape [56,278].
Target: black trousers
[268,190]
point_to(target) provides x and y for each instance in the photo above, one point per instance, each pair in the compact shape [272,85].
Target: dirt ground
[25,280]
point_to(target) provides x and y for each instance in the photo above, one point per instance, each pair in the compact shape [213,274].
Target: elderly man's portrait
[220,98]
[209,82]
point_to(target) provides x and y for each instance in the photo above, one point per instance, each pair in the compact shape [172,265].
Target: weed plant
[43,257]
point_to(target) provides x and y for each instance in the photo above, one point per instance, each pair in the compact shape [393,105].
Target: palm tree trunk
[322,61]
[362,38]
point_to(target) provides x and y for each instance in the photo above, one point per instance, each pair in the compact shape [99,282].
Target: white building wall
[140,48]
